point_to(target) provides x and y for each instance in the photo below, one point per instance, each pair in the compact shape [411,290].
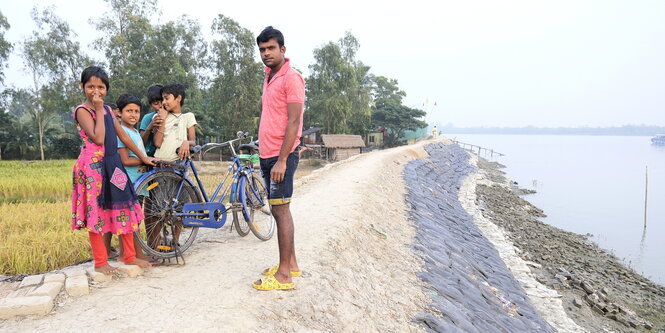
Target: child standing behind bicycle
[178,129]
[151,120]
[129,112]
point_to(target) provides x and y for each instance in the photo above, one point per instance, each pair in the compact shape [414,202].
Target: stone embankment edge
[546,301]
[37,294]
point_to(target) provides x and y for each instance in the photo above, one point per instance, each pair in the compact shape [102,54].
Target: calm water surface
[593,185]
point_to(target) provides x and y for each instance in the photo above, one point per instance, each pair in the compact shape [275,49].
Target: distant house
[311,136]
[342,146]
[375,137]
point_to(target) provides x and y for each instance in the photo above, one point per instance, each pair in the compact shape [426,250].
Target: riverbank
[472,289]
[598,292]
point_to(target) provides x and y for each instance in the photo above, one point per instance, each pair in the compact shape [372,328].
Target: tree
[5,49]
[5,131]
[20,138]
[389,112]
[5,46]
[235,93]
[54,60]
[126,30]
[5,124]
[141,54]
[338,89]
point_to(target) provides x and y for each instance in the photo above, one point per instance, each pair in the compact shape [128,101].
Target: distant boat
[659,139]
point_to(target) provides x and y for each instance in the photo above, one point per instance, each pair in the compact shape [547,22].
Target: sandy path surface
[356,280]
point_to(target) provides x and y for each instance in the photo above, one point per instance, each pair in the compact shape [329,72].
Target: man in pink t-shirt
[282,106]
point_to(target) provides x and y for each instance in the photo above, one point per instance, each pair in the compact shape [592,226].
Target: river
[593,185]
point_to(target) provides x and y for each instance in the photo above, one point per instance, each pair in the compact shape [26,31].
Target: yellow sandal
[272,270]
[270,283]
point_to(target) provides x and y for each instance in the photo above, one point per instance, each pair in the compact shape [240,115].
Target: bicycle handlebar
[192,149]
[240,136]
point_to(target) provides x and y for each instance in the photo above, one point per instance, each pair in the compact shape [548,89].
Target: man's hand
[183,153]
[148,160]
[277,172]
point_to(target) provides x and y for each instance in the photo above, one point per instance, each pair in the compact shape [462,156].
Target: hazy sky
[484,63]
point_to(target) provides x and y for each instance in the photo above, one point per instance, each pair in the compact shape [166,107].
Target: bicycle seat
[176,165]
[249,147]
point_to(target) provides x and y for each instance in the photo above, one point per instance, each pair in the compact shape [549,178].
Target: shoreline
[471,287]
[546,300]
[597,291]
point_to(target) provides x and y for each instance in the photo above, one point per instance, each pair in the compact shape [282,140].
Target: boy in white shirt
[178,129]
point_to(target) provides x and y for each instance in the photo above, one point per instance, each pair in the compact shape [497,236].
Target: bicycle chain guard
[203,214]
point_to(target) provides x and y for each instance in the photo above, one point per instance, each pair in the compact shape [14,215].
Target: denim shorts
[280,193]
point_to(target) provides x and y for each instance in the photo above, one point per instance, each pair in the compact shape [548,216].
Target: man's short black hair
[112,106]
[154,94]
[126,99]
[269,33]
[95,71]
[175,89]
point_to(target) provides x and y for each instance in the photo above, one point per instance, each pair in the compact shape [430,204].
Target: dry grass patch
[35,181]
[37,237]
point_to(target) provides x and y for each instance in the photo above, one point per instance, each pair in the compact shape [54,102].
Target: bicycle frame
[212,212]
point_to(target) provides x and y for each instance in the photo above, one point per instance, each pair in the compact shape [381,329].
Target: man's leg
[279,195]
[287,252]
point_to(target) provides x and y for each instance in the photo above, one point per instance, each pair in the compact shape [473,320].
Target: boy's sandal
[272,270]
[270,283]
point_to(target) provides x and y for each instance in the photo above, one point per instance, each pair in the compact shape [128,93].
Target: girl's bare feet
[106,269]
[140,262]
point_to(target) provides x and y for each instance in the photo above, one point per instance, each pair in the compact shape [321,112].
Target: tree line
[223,80]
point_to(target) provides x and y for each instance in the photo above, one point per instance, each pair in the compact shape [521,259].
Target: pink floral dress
[88,181]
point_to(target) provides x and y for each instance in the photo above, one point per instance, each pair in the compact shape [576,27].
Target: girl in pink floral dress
[103,198]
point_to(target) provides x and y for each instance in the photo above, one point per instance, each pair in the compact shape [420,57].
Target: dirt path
[357,280]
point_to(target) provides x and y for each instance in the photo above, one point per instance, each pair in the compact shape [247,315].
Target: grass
[35,181]
[37,237]
[35,217]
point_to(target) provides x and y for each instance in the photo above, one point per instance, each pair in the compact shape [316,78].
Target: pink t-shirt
[287,86]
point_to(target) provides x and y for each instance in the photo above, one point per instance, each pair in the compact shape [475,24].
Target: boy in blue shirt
[129,107]
[151,120]
[129,112]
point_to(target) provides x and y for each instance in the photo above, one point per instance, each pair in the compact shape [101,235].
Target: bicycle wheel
[256,209]
[239,223]
[161,229]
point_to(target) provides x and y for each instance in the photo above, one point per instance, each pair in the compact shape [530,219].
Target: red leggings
[99,250]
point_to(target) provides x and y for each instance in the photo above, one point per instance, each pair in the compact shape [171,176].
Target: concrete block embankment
[472,290]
